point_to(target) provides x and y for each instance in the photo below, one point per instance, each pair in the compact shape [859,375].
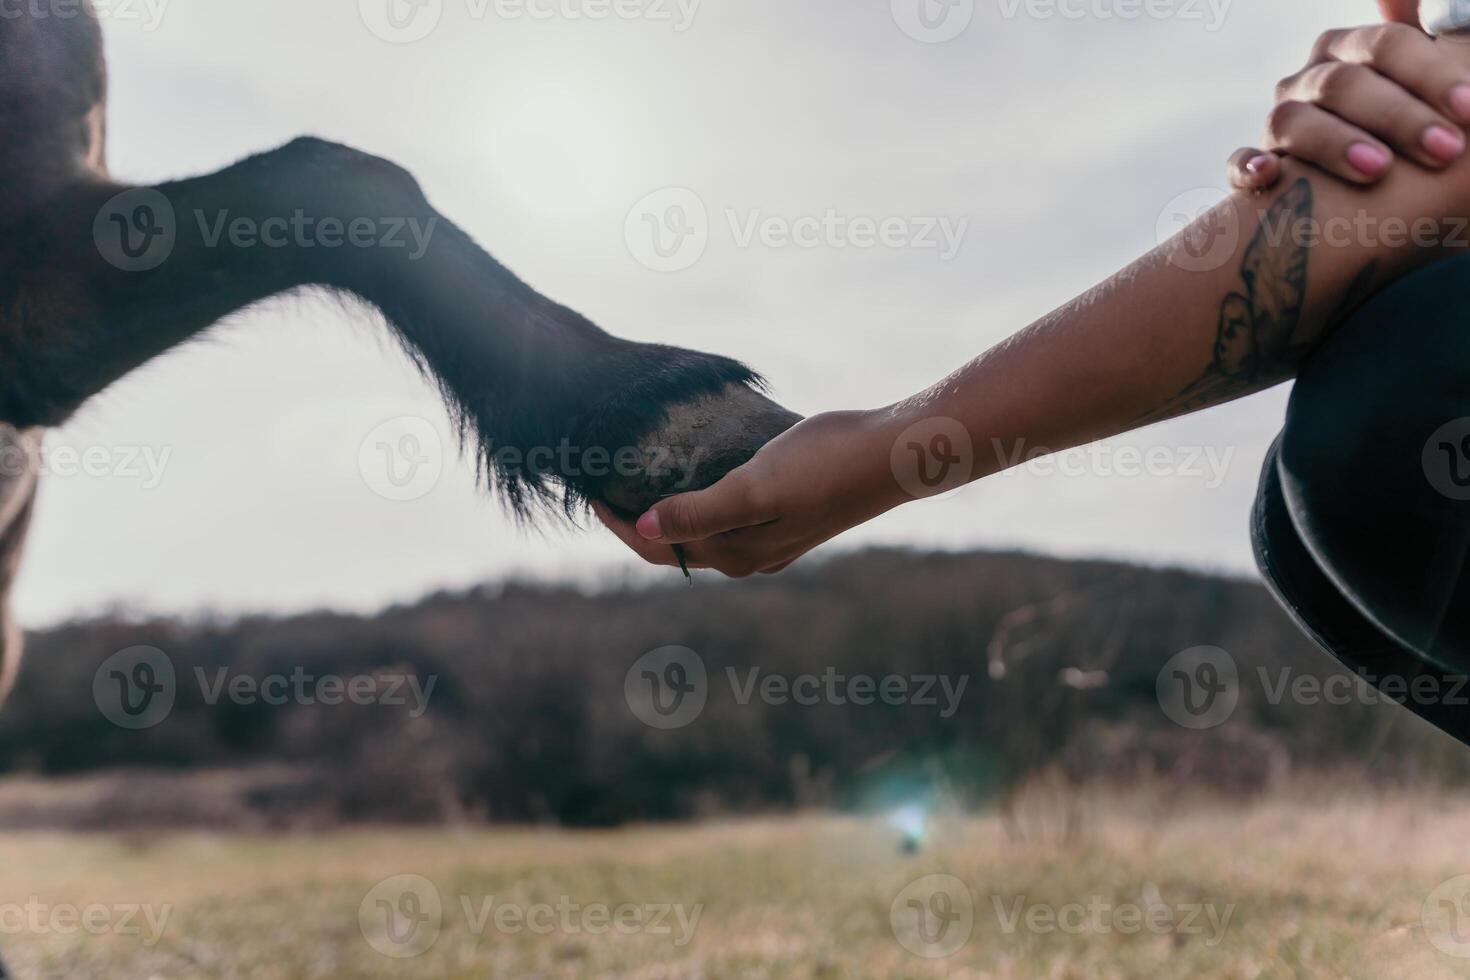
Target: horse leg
[106,278]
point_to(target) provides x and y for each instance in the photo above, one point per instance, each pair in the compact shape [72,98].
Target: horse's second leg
[105,282]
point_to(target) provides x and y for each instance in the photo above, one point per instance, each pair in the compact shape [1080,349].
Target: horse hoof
[699,442]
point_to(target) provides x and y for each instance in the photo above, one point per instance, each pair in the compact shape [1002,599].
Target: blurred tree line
[527,718]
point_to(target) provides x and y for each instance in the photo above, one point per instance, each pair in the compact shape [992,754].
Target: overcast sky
[1047,136]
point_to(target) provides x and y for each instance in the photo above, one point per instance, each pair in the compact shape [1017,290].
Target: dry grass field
[1137,886]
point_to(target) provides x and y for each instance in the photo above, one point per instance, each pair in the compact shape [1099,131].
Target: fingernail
[1460,101]
[1367,159]
[648,526]
[1443,143]
[1258,165]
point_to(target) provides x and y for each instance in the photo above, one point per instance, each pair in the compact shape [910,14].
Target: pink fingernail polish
[1259,164]
[1443,143]
[1460,101]
[648,526]
[1367,159]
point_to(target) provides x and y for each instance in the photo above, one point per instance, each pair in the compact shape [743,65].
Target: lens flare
[909,822]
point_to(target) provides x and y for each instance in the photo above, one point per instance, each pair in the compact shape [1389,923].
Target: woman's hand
[1365,94]
[822,477]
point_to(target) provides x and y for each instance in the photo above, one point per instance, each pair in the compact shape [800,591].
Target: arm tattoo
[1256,340]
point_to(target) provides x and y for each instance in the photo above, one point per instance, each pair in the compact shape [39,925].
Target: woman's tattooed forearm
[1256,340]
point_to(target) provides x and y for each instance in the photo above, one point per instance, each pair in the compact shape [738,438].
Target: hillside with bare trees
[870,678]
